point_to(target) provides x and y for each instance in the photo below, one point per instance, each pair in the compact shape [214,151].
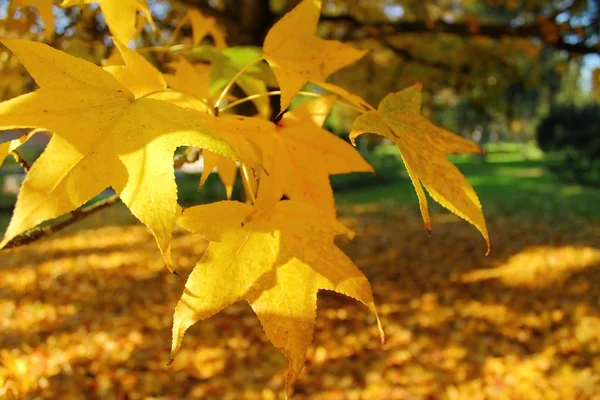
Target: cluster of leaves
[119,126]
[574,131]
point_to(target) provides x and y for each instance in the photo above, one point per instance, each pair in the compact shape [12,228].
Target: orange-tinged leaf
[299,157]
[104,136]
[277,263]
[44,9]
[423,147]
[297,55]
[120,15]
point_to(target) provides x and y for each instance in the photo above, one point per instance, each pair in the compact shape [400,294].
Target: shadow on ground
[87,314]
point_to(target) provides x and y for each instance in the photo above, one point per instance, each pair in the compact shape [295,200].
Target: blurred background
[87,313]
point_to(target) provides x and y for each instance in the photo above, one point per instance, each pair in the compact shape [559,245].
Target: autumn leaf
[300,156]
[44,9]
[297,55]
[304,156]
[104,136]
[120,15]
[226,168]
[423,147]
[277,263]
[136,73]
[192,82]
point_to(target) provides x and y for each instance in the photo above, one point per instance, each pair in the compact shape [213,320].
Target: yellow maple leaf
[193,80]
[136,73]
[226,168]
[120,15]
[44,9]
[423,147]
[103,136]
[300,156]
[277,263]
[297,55]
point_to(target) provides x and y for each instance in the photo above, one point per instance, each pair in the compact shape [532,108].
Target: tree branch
[408,56]
[541,31]
[39,232]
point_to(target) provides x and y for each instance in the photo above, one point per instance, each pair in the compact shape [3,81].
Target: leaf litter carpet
[87,314]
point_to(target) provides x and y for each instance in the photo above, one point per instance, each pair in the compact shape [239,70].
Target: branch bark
[39,232]
[538,31]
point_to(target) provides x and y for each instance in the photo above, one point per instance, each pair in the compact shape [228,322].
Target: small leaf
[423,147]
[297,55]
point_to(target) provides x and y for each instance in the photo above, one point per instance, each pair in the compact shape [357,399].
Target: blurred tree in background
[491,67]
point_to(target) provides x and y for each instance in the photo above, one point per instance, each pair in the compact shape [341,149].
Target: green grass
[508,184]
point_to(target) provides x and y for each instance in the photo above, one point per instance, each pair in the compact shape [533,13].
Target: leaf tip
[170,361]
[382,337]
[419,86]
[428,228]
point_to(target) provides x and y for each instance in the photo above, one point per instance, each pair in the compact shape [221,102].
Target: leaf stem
[166,49]
[209,109]
[246,178]
[276,92]
[229,85]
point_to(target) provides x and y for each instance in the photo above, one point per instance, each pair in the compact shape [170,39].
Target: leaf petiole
[278,92]
[229,85]
[149,94]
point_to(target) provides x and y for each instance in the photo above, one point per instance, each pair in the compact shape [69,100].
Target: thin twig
[246,179]
[277,92]
[39,232]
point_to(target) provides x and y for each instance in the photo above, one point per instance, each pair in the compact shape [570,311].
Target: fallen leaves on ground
[88,314]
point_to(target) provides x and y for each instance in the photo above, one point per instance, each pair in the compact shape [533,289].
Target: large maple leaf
[423,147]
[277,263]
[120,15]
[104,136]
[297,55]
